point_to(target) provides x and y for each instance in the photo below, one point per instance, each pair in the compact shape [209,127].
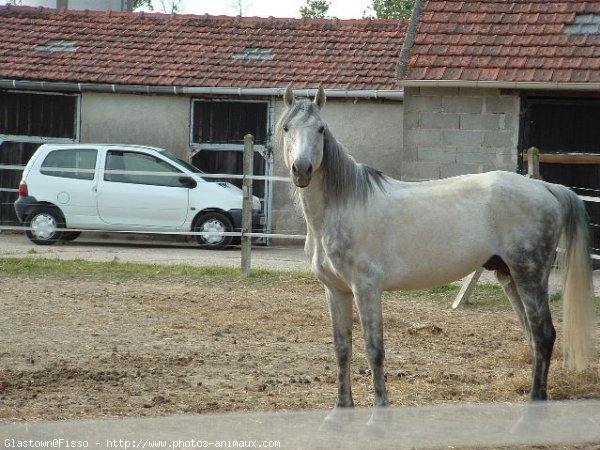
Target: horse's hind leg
[534,296]
[340,310]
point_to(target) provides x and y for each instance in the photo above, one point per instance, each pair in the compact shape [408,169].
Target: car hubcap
[215,230]
[43,226]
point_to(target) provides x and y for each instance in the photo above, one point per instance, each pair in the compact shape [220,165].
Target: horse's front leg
[340,310]
[368,302]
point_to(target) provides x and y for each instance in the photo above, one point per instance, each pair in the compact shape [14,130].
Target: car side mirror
[188,182]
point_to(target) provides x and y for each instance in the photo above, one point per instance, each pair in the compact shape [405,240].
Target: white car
[124,188]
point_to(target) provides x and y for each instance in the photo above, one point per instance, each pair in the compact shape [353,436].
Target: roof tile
[198,51]
[517,41]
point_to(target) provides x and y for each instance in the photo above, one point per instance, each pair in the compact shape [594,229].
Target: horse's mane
[344,179]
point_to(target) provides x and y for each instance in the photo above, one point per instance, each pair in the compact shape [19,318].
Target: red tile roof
[506,41]
[197,51]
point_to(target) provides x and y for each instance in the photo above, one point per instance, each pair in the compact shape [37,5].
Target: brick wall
[454,131]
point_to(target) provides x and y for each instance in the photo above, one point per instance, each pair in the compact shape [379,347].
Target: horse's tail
[579,322]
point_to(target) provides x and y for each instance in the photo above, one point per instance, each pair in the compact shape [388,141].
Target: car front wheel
[213,225]
[44,226]
[70,235]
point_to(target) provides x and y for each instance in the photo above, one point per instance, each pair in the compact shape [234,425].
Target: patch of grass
[556,302]
[117,270]
[436,293]
[446,289]
[488,296]
[485,296]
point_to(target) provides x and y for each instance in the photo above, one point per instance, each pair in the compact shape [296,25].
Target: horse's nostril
[302,168]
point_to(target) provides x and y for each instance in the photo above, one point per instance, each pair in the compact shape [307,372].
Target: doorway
[566,131]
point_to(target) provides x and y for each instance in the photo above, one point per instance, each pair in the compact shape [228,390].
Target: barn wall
[368,129]
[454,131]
[159,121]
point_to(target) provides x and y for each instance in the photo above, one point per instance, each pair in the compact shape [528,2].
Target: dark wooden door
[567,126]
[12,154]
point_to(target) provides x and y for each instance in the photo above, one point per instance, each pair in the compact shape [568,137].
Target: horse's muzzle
[302,171]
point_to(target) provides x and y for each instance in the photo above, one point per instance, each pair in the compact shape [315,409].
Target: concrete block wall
[454,131]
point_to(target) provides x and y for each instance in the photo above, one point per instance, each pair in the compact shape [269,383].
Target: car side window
[139,168]
[79,164]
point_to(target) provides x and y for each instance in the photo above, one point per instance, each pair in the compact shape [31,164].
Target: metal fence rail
[248,177]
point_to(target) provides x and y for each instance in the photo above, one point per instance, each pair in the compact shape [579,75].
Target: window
[218,130]
[222,122]
[78,164]
[40,115]
[230,161]
[562,125]
[139,168]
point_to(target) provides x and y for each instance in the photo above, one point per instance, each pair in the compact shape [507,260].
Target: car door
[67,179]
[139,190]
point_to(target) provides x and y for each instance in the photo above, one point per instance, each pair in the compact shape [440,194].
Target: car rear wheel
[44,225]
[214,224]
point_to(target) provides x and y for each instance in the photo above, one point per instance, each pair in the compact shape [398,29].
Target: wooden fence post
[533,163]
[247,204]
[467,288]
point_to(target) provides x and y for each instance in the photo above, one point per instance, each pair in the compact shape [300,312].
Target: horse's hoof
[340,419]
[378,423]
[344,405]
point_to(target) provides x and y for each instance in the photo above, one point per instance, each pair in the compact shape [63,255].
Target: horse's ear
[320,97]
[288,96]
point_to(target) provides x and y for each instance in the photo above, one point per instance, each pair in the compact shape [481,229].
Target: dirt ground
[94,348]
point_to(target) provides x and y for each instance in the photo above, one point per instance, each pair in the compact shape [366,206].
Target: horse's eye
[286,129]
[321,129]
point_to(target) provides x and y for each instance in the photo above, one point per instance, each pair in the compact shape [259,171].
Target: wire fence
[138,175]
[281,234]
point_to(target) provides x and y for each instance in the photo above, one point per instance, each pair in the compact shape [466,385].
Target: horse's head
[301,133]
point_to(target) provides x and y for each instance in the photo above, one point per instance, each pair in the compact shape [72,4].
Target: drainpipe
[391,94]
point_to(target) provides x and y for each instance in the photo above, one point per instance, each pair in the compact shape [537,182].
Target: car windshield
[181,162]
